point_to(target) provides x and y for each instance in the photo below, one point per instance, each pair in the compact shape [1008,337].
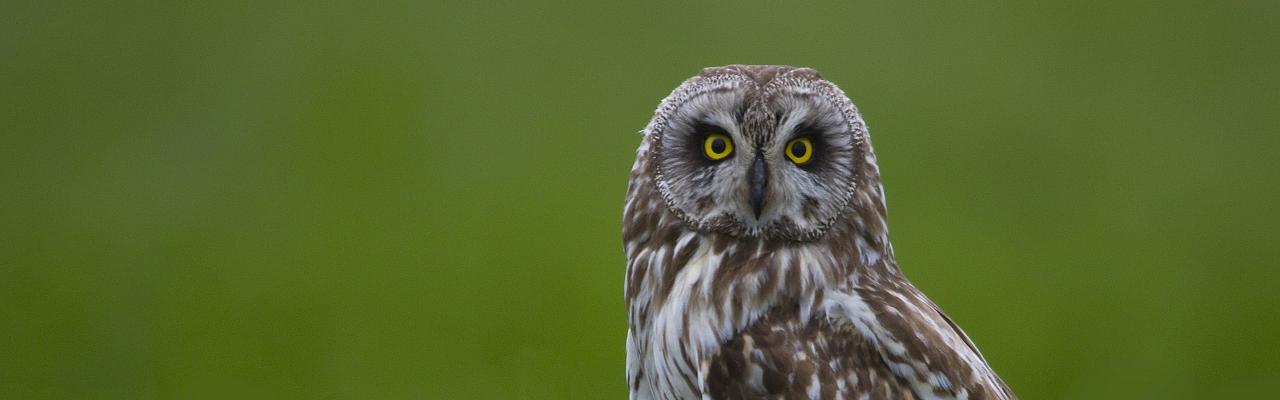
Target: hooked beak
[758,180]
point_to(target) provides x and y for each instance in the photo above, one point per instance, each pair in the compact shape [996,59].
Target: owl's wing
[919,343]
[992,383]
[882,343]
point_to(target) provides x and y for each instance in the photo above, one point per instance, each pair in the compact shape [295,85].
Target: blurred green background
[420,200]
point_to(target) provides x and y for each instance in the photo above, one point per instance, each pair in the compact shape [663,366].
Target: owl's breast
[688,299]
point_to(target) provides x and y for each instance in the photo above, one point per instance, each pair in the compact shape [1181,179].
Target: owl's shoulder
[886,343]
[783,356]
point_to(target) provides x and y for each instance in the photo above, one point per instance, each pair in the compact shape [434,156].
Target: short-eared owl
[758,259]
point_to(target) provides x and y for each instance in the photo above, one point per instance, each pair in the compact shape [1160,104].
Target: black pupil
[717,145]
[799,149]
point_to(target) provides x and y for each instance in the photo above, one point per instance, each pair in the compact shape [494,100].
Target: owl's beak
[758,179]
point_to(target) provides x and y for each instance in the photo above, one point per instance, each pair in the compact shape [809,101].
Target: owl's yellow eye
[717,146]
[800,150]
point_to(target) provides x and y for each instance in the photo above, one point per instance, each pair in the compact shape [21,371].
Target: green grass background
[422,200]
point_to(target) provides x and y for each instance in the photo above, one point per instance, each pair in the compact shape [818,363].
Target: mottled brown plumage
[764,275]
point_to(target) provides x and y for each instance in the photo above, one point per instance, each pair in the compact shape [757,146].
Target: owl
[758,255]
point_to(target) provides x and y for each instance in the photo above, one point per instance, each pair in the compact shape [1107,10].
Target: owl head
[770,152]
